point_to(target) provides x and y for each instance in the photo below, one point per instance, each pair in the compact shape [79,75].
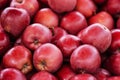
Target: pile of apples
[59,39]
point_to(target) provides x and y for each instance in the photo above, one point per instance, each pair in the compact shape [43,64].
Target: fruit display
[59,39]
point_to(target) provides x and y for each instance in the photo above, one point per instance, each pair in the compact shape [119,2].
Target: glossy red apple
[18,57]
[35,35]
[104,18]
[83,77]
[61,6]
[86,7]
[67,44]
[31,6]
[14,20]
[73,22]
[114,78]
[58,32]
[118,23]
[85,58]
[11,74]
[65,72]
[47,57]
[97,35]
[46,17]
[43,75]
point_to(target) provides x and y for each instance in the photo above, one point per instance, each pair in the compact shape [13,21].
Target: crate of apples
[59,39]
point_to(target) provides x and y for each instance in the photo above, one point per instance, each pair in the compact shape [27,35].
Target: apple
[31,6]
[11,74]
[14,20]
[85,76]
[46,17]
[86,7]
[73,22]
[58,32]
[97,35]
[35,35]
[85,58]
[112,63]
[114,78]
[104,18]
[65,72]
[61,6]
[118,23]
[47,57]
[67,44]
[18,57]
[43,75]
[102,74]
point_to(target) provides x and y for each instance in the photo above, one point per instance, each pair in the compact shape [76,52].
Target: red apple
[67,44]
[43,75]
[58,32]
[102,74]
[104,18]
[73,22]
[11,74]
[18,57]
[114,78]
[31,6]
[14,20]
[86,7]
[35,35]
[61,6]
[47,57]
[46,17]
[118,23]
[85,58]
[97,35]
[83,77]
[65,72]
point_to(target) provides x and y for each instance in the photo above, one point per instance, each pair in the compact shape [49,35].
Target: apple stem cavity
[43,65]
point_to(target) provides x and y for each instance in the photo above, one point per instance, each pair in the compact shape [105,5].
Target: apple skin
[43,75]
[11,74]
[35,35]
[114,78]
[46,17]
[47,57]
[85,58]
[18,57]
[65,72]
[14,20]
[67,44]
[61,6]
[32,5]
[97,35]
[85,76]
[118,23]
[86,7]
[73,22]
[104,18]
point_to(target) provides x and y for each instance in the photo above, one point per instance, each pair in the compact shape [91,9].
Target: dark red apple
[65,72]
[31,6]
[11,74]
[58,32]
[61,6]
[102,74]
[73,22]
[104,18]
[118,23]
[46,17]
[67,44]
[83,77]
[112,64]
[43,75]
[18,57]
[47,57]
[86,7]
[85,58]
[97,35]
[14,20]
[35,35]
[114,78]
